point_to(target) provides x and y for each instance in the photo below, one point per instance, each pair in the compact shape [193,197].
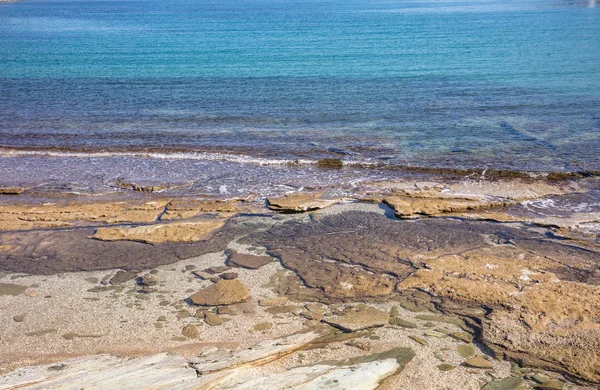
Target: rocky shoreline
[430,284]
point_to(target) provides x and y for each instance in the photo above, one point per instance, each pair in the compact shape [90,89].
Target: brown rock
[247,261]
[190,331]
[159,233]
[407,206]
[277,301]
[148,280]
[11,289]
[478,362]
[330,163]
[299,203]
[228,275]
[284,309]
[263,326]
[224,292]
[19,217]
[360,344]
[11,190]
[183,208]
[226,310]
[202,275]
[217,270]
[213,319]
[367,318]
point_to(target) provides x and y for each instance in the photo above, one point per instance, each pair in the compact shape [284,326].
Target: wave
[480,172]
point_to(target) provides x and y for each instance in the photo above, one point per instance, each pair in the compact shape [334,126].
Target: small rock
[418,340]
[478,362]
[408,305]
[540,378]
[161,319]
[312,316]
[263,326]
[550,385]
[278,301]
[445,367]
[284,309]
[224,292]
[190,331]
[247,261]
[367,318]
[394,311]
[148,280]
[122,277]
[213,319]
[466,350]
[360,344]
[225,310]
[315,308]
[190,267]
[228,275]
[91,280]
[217,270]
[159,325]
[461,336]
[330,163]
[200,313]
[402,322]
[511,383]
[183,314]
[215,279]
[432,333]
[202,275]
[19,318]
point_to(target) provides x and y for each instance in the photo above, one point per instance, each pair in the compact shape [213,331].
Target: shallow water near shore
[470,85]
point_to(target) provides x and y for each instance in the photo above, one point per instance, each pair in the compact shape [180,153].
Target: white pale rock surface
[160,371]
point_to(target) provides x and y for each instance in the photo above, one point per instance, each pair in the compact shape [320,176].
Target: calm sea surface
[475,83]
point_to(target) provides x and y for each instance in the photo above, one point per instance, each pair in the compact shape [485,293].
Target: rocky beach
[443,283]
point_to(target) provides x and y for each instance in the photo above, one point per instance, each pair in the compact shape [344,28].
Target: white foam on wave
[202,156]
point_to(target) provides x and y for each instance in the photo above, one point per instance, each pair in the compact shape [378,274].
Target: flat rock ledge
[156,234]
[299,203]
[214,370]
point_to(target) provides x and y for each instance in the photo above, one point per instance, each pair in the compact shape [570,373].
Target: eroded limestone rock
[154,234]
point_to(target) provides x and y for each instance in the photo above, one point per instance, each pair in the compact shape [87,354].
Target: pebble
[418,340]
[190,331]
[445,367]
[213,319]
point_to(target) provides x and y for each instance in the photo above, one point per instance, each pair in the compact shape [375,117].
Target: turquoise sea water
[476,83]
